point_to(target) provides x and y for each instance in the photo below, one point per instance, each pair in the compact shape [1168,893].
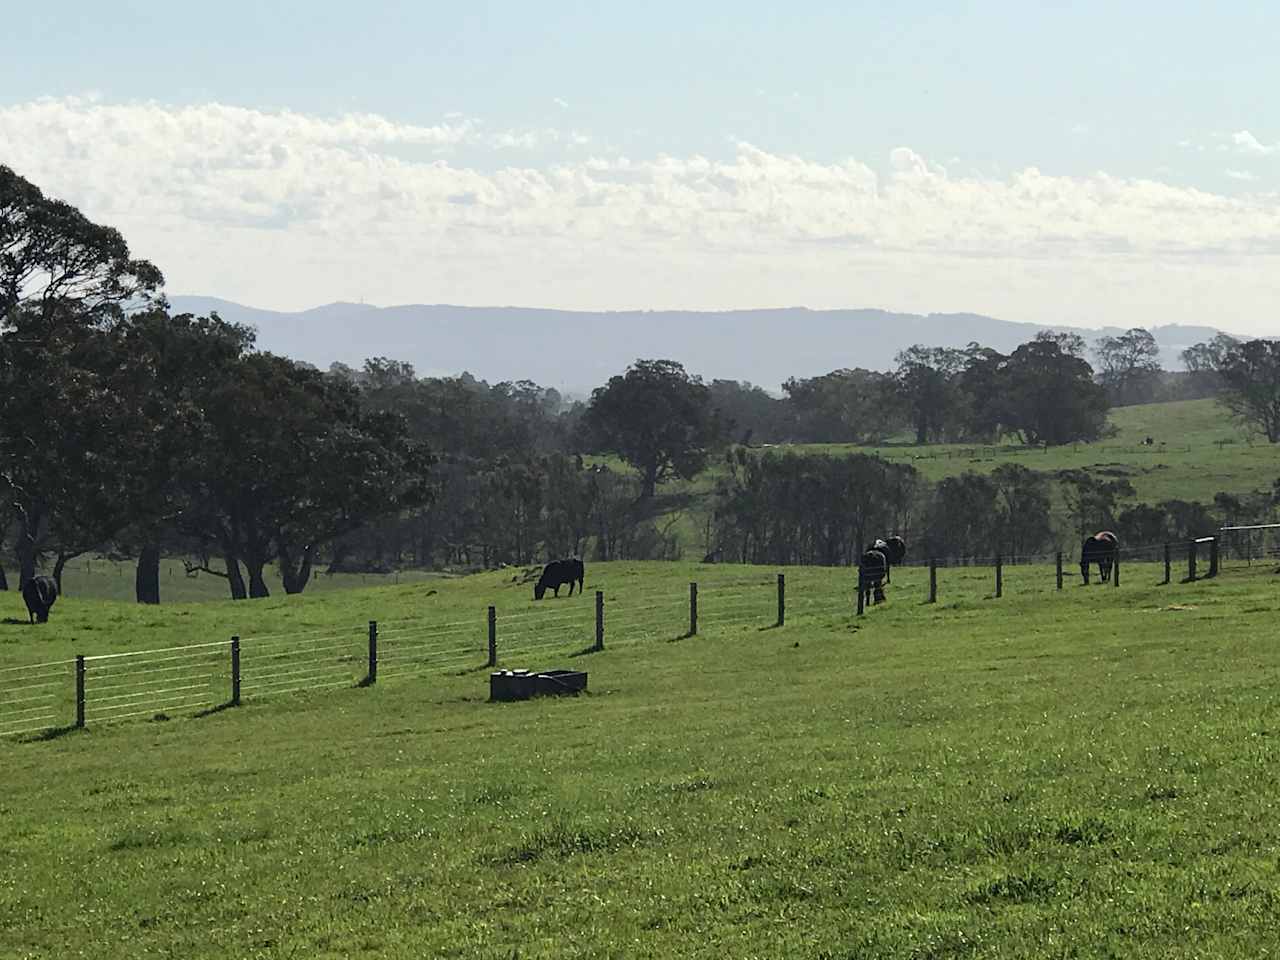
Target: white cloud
[1246,143]
[1243,175]
[560,102]
[288,210]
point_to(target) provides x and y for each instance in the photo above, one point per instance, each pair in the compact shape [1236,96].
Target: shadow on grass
[586,651]
[15,622]
[210,711]
[53,733]
[469,670]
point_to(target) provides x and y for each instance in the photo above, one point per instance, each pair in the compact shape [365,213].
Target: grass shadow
[468,670]
[53,733]
[15,622]
[586,651]
[210,711]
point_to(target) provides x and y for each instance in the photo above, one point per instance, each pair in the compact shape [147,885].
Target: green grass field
[1084,773]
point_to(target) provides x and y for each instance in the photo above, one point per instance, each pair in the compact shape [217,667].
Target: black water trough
[509,685]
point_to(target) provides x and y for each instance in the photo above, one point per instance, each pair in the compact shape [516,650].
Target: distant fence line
[993,450]
[46,699]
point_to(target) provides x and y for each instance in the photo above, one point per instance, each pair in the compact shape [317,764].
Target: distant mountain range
[577,351]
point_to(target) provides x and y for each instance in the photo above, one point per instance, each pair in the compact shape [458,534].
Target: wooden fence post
[1168,563]
[599,620]
[693,609]
[372,676]
[493,636]
[235,671]
[782,599]
[999,577]
[80,690]
[933,580]
[1059,569]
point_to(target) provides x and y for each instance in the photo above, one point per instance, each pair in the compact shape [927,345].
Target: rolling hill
[577,351]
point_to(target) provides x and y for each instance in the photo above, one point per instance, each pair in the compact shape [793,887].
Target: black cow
[40,593]
[894,550]
[556,574]
[872,570]
[1101,549]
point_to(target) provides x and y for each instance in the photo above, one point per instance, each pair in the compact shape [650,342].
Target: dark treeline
[792,508]
[135,433]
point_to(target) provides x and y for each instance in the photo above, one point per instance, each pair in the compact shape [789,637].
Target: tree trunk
[650,483]
[296,575]
[234,577]
[25,551]
[257,585]
[146,580]
[58,566]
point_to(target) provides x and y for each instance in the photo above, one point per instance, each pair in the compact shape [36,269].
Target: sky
[1084,163]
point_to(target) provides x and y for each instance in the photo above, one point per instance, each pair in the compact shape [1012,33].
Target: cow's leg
[571,586]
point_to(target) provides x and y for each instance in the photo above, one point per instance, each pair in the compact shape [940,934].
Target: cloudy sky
[1095,163]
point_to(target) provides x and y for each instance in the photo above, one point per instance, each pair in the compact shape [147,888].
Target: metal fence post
[693,609]
[1213,558]
[1191,560]
[999,577]
[1168,563]
[861,591]
[782,599]
[80,690]
[493,636]
[235,671]
[599,619]
[933,580]
[1059,569]
[1115,570]
[373,653]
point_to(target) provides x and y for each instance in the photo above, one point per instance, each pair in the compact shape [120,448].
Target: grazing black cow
[1101,549]
[872,570]
[40,593]
[556,574]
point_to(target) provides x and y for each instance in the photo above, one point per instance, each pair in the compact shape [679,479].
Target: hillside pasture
[1084,772]
[1198,451]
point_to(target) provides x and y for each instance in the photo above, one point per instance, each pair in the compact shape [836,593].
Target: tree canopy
[657,418]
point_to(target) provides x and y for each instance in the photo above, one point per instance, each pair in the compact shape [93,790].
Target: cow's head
[539,589]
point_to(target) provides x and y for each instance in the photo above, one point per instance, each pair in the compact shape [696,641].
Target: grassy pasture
[1084,773]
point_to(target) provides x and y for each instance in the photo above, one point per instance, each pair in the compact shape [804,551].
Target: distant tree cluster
[1043,393]
[791,508]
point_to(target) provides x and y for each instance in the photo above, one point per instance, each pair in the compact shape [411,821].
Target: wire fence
[42,699]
